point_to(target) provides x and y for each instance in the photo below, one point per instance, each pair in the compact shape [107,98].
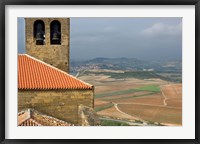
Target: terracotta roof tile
[31,117]
[35,74]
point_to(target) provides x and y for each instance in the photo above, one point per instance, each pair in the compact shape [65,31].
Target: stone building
[47,39]
[43,80]
[51,91]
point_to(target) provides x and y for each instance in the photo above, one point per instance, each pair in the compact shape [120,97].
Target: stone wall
[55,55]
[88,116]
[61,104]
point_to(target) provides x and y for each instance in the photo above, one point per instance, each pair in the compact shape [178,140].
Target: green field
[114,93]
[151,88]
[134,96]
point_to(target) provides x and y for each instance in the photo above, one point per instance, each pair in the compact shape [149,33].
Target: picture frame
[98,2]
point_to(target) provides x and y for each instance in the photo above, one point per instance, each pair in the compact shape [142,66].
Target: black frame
[100,2]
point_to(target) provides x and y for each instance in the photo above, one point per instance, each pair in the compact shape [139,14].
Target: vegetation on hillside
[138,75]
[113,123]
[132,67]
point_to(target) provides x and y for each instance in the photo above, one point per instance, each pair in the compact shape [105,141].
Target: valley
[139,94]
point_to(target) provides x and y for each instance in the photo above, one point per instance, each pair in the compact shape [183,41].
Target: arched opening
[55,30]
[39,32]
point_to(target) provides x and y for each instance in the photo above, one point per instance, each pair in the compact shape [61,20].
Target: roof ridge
[56,69]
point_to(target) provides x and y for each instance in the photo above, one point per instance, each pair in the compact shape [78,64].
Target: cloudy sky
[142,38]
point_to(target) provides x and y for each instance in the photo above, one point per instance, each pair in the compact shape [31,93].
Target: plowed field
[153,113]
[149,100]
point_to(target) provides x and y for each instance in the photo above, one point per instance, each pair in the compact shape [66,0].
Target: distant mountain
[113,60]
[127,64]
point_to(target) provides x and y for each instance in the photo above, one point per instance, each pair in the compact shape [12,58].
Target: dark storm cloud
[143,38]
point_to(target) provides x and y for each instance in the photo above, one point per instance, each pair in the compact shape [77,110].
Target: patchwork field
[151,100]
[153,113]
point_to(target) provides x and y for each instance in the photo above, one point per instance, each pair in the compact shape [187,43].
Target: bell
[55,36]
[39,36]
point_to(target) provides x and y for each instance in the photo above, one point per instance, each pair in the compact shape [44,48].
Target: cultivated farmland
[146,100]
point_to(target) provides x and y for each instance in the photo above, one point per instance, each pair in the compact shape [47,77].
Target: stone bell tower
[47,39]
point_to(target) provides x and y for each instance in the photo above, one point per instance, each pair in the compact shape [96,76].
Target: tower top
[47,39]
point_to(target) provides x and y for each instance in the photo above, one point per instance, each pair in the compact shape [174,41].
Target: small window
[39,32]
[55,29]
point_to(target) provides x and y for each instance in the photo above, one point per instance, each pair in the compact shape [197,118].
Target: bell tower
[47,39]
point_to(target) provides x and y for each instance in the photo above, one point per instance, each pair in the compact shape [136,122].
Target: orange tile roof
[36,74]
[31,117]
